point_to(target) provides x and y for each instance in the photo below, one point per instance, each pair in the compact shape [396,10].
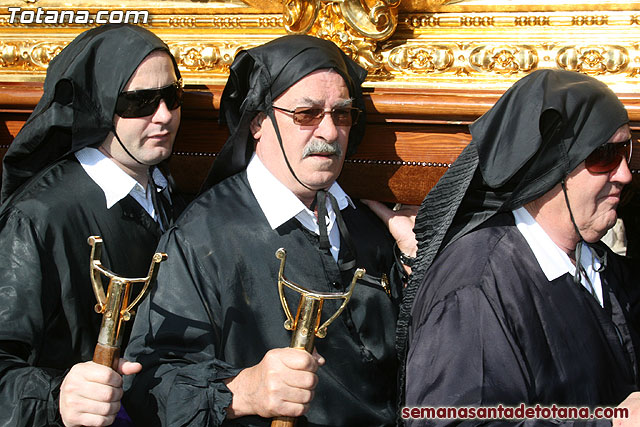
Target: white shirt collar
[279,204]
[553,261]
[114,182]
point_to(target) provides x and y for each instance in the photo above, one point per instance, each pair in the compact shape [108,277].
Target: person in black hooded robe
[538,312]
[210,337]
[65,178]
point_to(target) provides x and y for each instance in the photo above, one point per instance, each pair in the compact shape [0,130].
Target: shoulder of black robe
[259,75]
[542,128]
[78,104]
[494,329]
[47,321]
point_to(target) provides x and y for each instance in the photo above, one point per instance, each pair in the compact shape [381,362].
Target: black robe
[493,329]
[216,310]
[47,317]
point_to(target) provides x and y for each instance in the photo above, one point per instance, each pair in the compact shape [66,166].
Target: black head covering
[541,129]
[259,75]
[80,91]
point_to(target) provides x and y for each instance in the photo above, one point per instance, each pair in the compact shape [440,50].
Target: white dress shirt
[279,204]
[553,261]
[116,183]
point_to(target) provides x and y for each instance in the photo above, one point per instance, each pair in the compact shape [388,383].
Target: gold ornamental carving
[28,55]
[421,59]
[503,59]
[373,19]
[356,26]
[594,60]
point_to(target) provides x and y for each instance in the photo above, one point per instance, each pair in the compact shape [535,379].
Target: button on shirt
[116,183]
[553,261]
[279,204]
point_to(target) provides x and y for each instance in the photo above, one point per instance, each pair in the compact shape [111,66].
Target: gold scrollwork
[42,53]
[27,56]
[531,21]
[477,21]
[331,26]
[300,15]
[503,59]
[226,22]
[182,22]
[199,57]
[9,55]
[377,21]
[590,20]
[594,60]
[421,59]
[421,21]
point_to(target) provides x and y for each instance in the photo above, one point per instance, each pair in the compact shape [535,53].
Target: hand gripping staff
[114,306]
[306,325]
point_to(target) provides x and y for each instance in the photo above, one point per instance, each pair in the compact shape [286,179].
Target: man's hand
[90,393]
[632,403]
[400,223]
[281,385]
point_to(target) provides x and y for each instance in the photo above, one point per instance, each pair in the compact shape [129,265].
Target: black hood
[259,75]
[80,91]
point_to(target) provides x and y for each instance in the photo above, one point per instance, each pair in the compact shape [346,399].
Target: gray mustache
[317,146]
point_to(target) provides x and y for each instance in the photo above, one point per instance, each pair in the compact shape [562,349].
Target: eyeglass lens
[608,156]
[144,102]
[312,116]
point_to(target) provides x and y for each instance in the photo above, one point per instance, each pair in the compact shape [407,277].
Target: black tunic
[216,311]
[47,317]
[493,329]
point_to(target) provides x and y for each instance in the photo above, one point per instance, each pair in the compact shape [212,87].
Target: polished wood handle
[107,355]
[283,422]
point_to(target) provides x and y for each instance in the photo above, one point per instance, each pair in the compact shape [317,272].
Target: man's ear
[256,125]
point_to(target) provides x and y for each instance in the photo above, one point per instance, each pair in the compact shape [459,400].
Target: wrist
[403,258]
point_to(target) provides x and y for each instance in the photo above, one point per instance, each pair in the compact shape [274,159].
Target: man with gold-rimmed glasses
[211,338]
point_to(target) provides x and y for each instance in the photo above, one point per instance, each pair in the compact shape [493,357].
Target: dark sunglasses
[144,102]
[607,157]
[309,116]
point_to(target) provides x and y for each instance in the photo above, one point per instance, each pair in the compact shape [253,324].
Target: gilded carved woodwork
[409,43]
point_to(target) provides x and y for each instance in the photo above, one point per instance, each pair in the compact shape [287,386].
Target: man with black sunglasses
[85,163]
[211,338]
[516,300]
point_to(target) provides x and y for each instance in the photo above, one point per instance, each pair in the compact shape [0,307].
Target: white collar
[114,182]
[553,261]
[278,203]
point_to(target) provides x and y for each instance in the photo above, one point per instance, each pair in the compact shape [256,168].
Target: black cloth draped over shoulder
[542,128]
[80,92]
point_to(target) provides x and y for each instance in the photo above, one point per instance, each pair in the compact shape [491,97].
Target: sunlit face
[149,139]
[320,168]
[594,197]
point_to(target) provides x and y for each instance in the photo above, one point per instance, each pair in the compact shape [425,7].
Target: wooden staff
[306,325]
